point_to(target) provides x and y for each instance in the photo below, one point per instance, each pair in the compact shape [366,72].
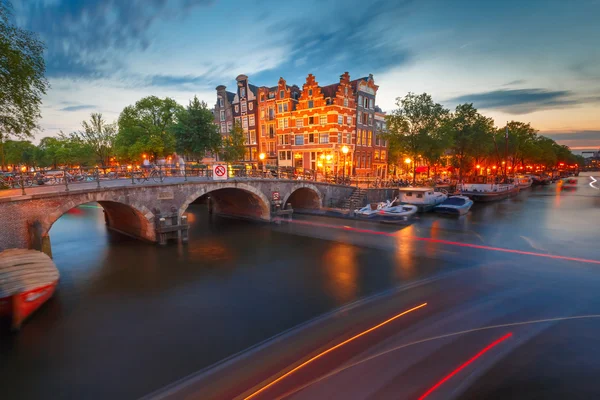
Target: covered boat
[370,210]
[523,181]
[28,279]
[455,205]
[424,198]
[482,188]
[395,213]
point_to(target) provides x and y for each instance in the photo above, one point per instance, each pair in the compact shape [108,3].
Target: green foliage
[233,145]
[20,152]
[64,150]
[147,127]
[195,131]
[99,136]
[22,81]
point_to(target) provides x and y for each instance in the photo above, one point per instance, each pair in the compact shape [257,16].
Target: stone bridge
[25,220]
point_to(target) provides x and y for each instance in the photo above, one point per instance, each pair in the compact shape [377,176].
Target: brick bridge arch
[304,195]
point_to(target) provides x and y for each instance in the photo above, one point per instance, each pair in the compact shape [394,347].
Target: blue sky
[536,61]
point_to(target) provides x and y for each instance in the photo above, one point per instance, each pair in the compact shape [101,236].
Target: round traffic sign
[220,170]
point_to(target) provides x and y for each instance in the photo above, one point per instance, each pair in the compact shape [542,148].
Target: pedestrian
[181,165]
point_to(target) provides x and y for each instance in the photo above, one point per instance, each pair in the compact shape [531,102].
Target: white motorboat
[482,188]
[424,198]
[455,205]
[370,210]
[523,181]
[401,212]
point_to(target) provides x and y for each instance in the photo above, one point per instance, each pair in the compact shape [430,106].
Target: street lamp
[262,156]
[344,151]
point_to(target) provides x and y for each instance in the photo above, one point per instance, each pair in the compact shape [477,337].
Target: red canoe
[28,279]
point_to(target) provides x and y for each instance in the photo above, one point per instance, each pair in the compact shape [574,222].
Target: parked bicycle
[144,175]
[15,181]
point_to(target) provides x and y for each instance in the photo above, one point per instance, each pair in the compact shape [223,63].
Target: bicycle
[15,181]
[157,175]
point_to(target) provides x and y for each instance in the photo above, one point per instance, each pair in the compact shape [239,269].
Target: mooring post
[184,229]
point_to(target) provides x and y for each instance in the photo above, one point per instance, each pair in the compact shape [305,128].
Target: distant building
[366,92]
[223,110]
[380,161]
[245,112]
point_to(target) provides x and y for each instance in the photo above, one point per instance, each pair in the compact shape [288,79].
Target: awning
[421,169]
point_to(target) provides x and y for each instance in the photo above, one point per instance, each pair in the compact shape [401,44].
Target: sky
[534,61]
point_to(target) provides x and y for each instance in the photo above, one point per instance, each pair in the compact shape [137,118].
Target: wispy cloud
[78,108]
[523,101]
[515,82]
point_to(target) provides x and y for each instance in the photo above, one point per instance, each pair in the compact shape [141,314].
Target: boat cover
[22,270]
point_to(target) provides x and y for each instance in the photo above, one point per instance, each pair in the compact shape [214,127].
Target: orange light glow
[509,167]
[494,167]
[329,350]
[478,166]
[407,160]
[466,364]
[503,162]
[23,169]
[129,167]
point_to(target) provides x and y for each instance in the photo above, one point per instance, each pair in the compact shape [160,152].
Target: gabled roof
[253,88]
[230,96]
[354,83]
[330,90]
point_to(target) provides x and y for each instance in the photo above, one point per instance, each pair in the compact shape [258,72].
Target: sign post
[219,172]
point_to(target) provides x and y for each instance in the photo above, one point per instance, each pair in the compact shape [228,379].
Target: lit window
[252,136]
[245,123]
[340,119]
[299,140]
[222,115]
[376,158]
[280,123]
[323,119]
[383,155]
[310,104]
[298,122]
[324,138]
[251,120]
[370,140]
[244,107]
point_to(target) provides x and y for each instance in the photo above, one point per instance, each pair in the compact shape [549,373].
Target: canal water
[129,317]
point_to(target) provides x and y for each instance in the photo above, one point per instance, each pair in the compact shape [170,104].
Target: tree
[64,150]
[195,130]
[146,127]
[22,81]
[99,135]
[414,128]
[471,136]
[233,145]
[20,152]
[520,140]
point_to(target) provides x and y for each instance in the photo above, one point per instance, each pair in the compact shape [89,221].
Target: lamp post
[262,156]
[344,151]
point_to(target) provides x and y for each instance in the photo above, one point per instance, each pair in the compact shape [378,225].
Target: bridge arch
[122,216]
[304,195]
[236,199]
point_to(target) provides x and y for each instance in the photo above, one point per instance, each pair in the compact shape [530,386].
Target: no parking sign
[219,172]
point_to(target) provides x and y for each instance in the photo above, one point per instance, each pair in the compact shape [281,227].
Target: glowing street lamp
[407,160]
[262,156]
[344,151]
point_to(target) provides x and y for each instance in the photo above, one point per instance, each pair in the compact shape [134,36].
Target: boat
[523,181]
[455,205]
[370,210]
[395,213]
[424,198]
[483,188]
[28,279]
[568,183]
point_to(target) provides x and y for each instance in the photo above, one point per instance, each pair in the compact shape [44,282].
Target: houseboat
[424,198]
[484,188]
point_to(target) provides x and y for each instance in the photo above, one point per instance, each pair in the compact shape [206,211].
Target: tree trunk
[414,170]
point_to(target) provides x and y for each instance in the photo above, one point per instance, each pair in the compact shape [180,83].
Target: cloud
[82,36]
[523,101]
[515,82]
[576,139]
[78,108]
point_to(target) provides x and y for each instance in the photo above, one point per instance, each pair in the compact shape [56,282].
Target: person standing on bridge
[181,162]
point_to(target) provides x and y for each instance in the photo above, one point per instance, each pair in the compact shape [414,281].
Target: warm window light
[319,164]
[407,160]
[322,156]
[261,156]
[23,169]
[328,157]
[494,167]
[129,167]
[345,149]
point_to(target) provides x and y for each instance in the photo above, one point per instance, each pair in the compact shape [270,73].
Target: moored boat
[523,181]
[482,188]
[28,279]
[568,183]
[370,210]
[455,205]
[395,213]
[424,198]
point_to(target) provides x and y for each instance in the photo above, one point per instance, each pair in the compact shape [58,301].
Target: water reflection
[342,271]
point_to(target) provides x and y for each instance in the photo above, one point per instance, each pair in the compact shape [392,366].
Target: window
[365,120]
[245,123]
[262,114]
[271,131]
[251,106]
[370,119]
[368,165]
[366,103]
[281,94]
[364,161]
[280,139]
[340,119]
[299,140]
[221,103]
[346,91]
[311,120]
[339,137]
[285,122]
[237,108]
[360,116]
[360,100]
[271,113]
[383,154]
[324,138]
[229,126]
[285,107]
[349,118]
[246,138]
[222,115]
[263,130]
[345,102]
[310,104]
[376,158]
[370,139]
[242,92]
[280,107]
[244,107]
[323,119]
[271,147]
[298,122]
[349,138]
[311,138]
[310,92]
[280,123]
[223,127]
[282,156]
[376,140]
[252,136]
[262,97]
[251,120]
[371,104]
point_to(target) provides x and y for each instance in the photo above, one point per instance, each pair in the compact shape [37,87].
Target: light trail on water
[593,182]
[446,242]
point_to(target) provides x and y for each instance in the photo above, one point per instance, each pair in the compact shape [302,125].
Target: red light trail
[447,242]
[466,364]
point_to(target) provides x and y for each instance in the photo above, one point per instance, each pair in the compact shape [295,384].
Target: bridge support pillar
[171,227]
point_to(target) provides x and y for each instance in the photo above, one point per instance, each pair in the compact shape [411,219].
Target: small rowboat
[28,279]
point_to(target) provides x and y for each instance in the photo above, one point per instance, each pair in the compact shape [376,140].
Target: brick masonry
[25,220]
